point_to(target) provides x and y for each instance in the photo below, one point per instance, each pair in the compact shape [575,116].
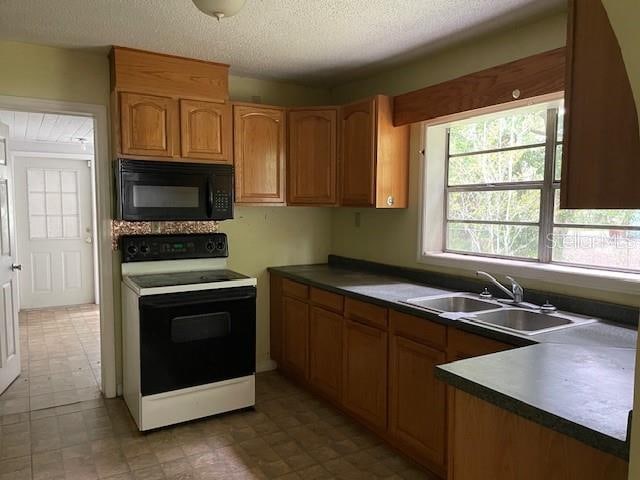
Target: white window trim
[430,246]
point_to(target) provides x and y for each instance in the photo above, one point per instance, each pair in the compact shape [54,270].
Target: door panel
[295,332]
[56,236]
[205,130]
[357,159]
[147,124]
[9,329]
[259,154]
[364,382]
[325,352]
[417,398]
[312,157]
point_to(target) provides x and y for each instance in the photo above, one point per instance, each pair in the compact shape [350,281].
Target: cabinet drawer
[295,289]
[366,313]
[417,329]
[328,300]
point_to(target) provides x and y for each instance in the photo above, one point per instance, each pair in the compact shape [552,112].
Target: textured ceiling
[322,42]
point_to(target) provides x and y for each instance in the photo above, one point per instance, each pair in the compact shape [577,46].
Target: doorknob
[15,267]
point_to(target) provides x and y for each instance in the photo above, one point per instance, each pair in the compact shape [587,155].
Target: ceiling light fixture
[219,8]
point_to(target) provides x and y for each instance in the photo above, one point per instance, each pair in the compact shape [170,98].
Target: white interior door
[9,334]
[54,209]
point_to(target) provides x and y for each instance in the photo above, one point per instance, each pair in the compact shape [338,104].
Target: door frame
[103,195]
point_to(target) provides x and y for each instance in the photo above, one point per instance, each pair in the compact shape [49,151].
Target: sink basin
[463,303]
[528,322]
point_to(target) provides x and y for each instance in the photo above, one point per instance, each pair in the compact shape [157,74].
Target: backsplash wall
[122,227]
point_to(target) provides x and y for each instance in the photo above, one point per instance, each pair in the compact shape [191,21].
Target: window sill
[605,280]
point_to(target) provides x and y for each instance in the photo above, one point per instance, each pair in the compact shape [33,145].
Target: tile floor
[290,434]
[60,355]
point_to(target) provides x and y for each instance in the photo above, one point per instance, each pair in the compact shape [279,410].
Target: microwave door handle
[209,198]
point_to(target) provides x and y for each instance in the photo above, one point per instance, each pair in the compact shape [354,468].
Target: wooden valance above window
[528,77]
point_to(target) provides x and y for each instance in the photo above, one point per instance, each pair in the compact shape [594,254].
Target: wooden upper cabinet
[170,107]
[259,153]
[601,151]
[205,130]
[357,158]
[374,155]
[147,125]
[312,165]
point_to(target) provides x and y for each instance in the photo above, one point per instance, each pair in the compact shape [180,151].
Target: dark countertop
[583,392]
[578,381]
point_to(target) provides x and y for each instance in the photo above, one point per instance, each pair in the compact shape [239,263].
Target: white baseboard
[265,365]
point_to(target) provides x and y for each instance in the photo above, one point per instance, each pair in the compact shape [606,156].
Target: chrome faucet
[516,293]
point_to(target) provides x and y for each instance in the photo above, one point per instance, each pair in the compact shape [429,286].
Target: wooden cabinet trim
[328,300]
[418,329]
[168,75]
[366,313]
[534,76]
[295,289]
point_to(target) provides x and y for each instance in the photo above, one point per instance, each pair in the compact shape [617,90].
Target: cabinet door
[364,382]
[325,352]
[417,399]
[357,154]
[463,345]
[295,336]
[259,146]
[312,162]
[600,166]
[147,125]
[275,317]
[205,130]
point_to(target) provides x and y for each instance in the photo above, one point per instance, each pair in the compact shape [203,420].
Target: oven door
[196,338]
[168,191]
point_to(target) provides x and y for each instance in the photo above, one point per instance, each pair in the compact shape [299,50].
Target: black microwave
[164,191]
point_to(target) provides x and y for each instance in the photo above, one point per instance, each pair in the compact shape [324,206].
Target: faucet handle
[516,288]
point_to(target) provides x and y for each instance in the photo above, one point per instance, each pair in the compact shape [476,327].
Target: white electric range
[189,329]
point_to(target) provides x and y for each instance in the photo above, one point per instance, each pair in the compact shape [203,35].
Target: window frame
[548,187]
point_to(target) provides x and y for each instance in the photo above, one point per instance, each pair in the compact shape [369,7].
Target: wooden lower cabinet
[364,373]
[492,443]
[461,345]
[325,352]
[295,337]
[417,400]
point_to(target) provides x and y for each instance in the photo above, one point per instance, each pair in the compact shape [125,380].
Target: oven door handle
[209,197]
[160,303]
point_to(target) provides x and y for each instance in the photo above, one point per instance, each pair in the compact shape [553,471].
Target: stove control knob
[220,245]
[144,249]
[132,250]
[210,246]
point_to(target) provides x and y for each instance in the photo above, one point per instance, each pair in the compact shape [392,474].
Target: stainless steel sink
[460,302]
[528,322]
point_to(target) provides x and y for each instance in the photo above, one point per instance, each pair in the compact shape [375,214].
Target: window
[501,196]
